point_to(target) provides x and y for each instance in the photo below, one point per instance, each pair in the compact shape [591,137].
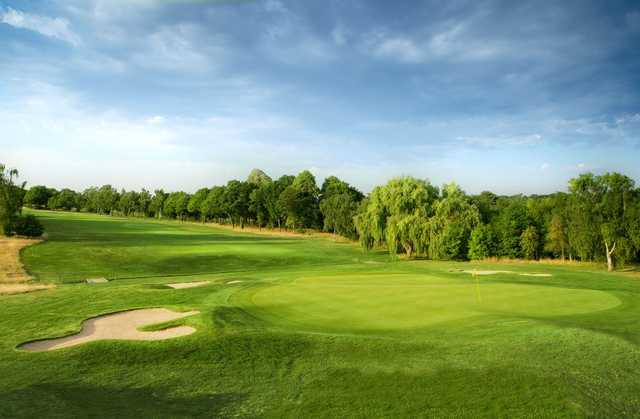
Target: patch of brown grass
[13,278]
[279,233]
[544,261]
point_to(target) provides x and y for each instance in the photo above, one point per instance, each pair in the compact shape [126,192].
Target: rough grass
[314,329]
[13,278]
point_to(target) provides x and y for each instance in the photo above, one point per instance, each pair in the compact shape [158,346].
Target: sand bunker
[119,326]
[535,274]
[234,282]
[182,285]
[479,272]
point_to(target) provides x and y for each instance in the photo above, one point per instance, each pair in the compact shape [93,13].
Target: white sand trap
[181,285]
[479,272]
[234,282]
[96,280]
[119,326]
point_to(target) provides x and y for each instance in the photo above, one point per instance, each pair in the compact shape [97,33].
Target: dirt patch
[182,285]
[119,326]
[13,278]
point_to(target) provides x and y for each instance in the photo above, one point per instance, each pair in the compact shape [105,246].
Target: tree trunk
[610,256]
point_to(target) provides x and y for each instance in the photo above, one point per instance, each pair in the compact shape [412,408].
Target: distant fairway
[305,327]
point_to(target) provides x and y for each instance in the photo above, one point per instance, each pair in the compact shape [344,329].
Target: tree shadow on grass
[88,401]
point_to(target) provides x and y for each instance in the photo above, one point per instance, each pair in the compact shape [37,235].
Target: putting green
[402,302]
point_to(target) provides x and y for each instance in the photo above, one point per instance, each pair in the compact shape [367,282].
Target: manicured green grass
[314,329]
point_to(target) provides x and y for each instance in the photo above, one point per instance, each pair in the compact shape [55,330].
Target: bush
[24,225]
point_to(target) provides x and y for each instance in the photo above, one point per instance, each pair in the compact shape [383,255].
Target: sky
[512,97]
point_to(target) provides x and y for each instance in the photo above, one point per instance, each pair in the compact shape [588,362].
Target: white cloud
[501,140]
[290,40]
[57,139]
[179,47]
[403,49]
[455,43]
[544,166]
[52,27]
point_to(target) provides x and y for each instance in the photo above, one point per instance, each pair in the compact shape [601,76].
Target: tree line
[597,219]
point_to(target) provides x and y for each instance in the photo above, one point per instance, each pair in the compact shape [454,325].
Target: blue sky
[498,95]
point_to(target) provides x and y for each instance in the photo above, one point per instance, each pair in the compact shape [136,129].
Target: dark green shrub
[24,225]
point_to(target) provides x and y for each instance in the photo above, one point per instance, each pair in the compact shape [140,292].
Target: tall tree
[602,203]
[258,177]
[195,203]
[107,198]
[301,202]
[383,218]
[128,202]
[339,204]
[144,203]
[451,226]
[38,196]
[529,243]
[213,206]
[156,206]
[482,243]
[11,196]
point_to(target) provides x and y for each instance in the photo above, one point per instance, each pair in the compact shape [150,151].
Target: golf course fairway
[310,327]
[380,303]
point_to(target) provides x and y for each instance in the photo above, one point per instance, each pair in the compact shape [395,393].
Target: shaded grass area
[326,337]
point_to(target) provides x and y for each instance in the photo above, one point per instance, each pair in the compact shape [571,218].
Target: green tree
[128,202]
[38,196]
[383,218]
[301,202]
[557,236]
[195,203]
[66,199]
[258,177]
[90,199]
[529,242]
[454,219]
[144,203]
[601,203]
[11,196]
[338,212]
[213,206]
[339,204]
[107,198]
[482,243]
[237,200]
[509,224]
[156,206]
[486,203]
[273,203]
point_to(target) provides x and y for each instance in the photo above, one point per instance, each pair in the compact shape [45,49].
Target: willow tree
[396,215]
[451,226]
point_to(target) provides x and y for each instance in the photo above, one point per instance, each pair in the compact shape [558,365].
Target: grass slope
[314,329]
